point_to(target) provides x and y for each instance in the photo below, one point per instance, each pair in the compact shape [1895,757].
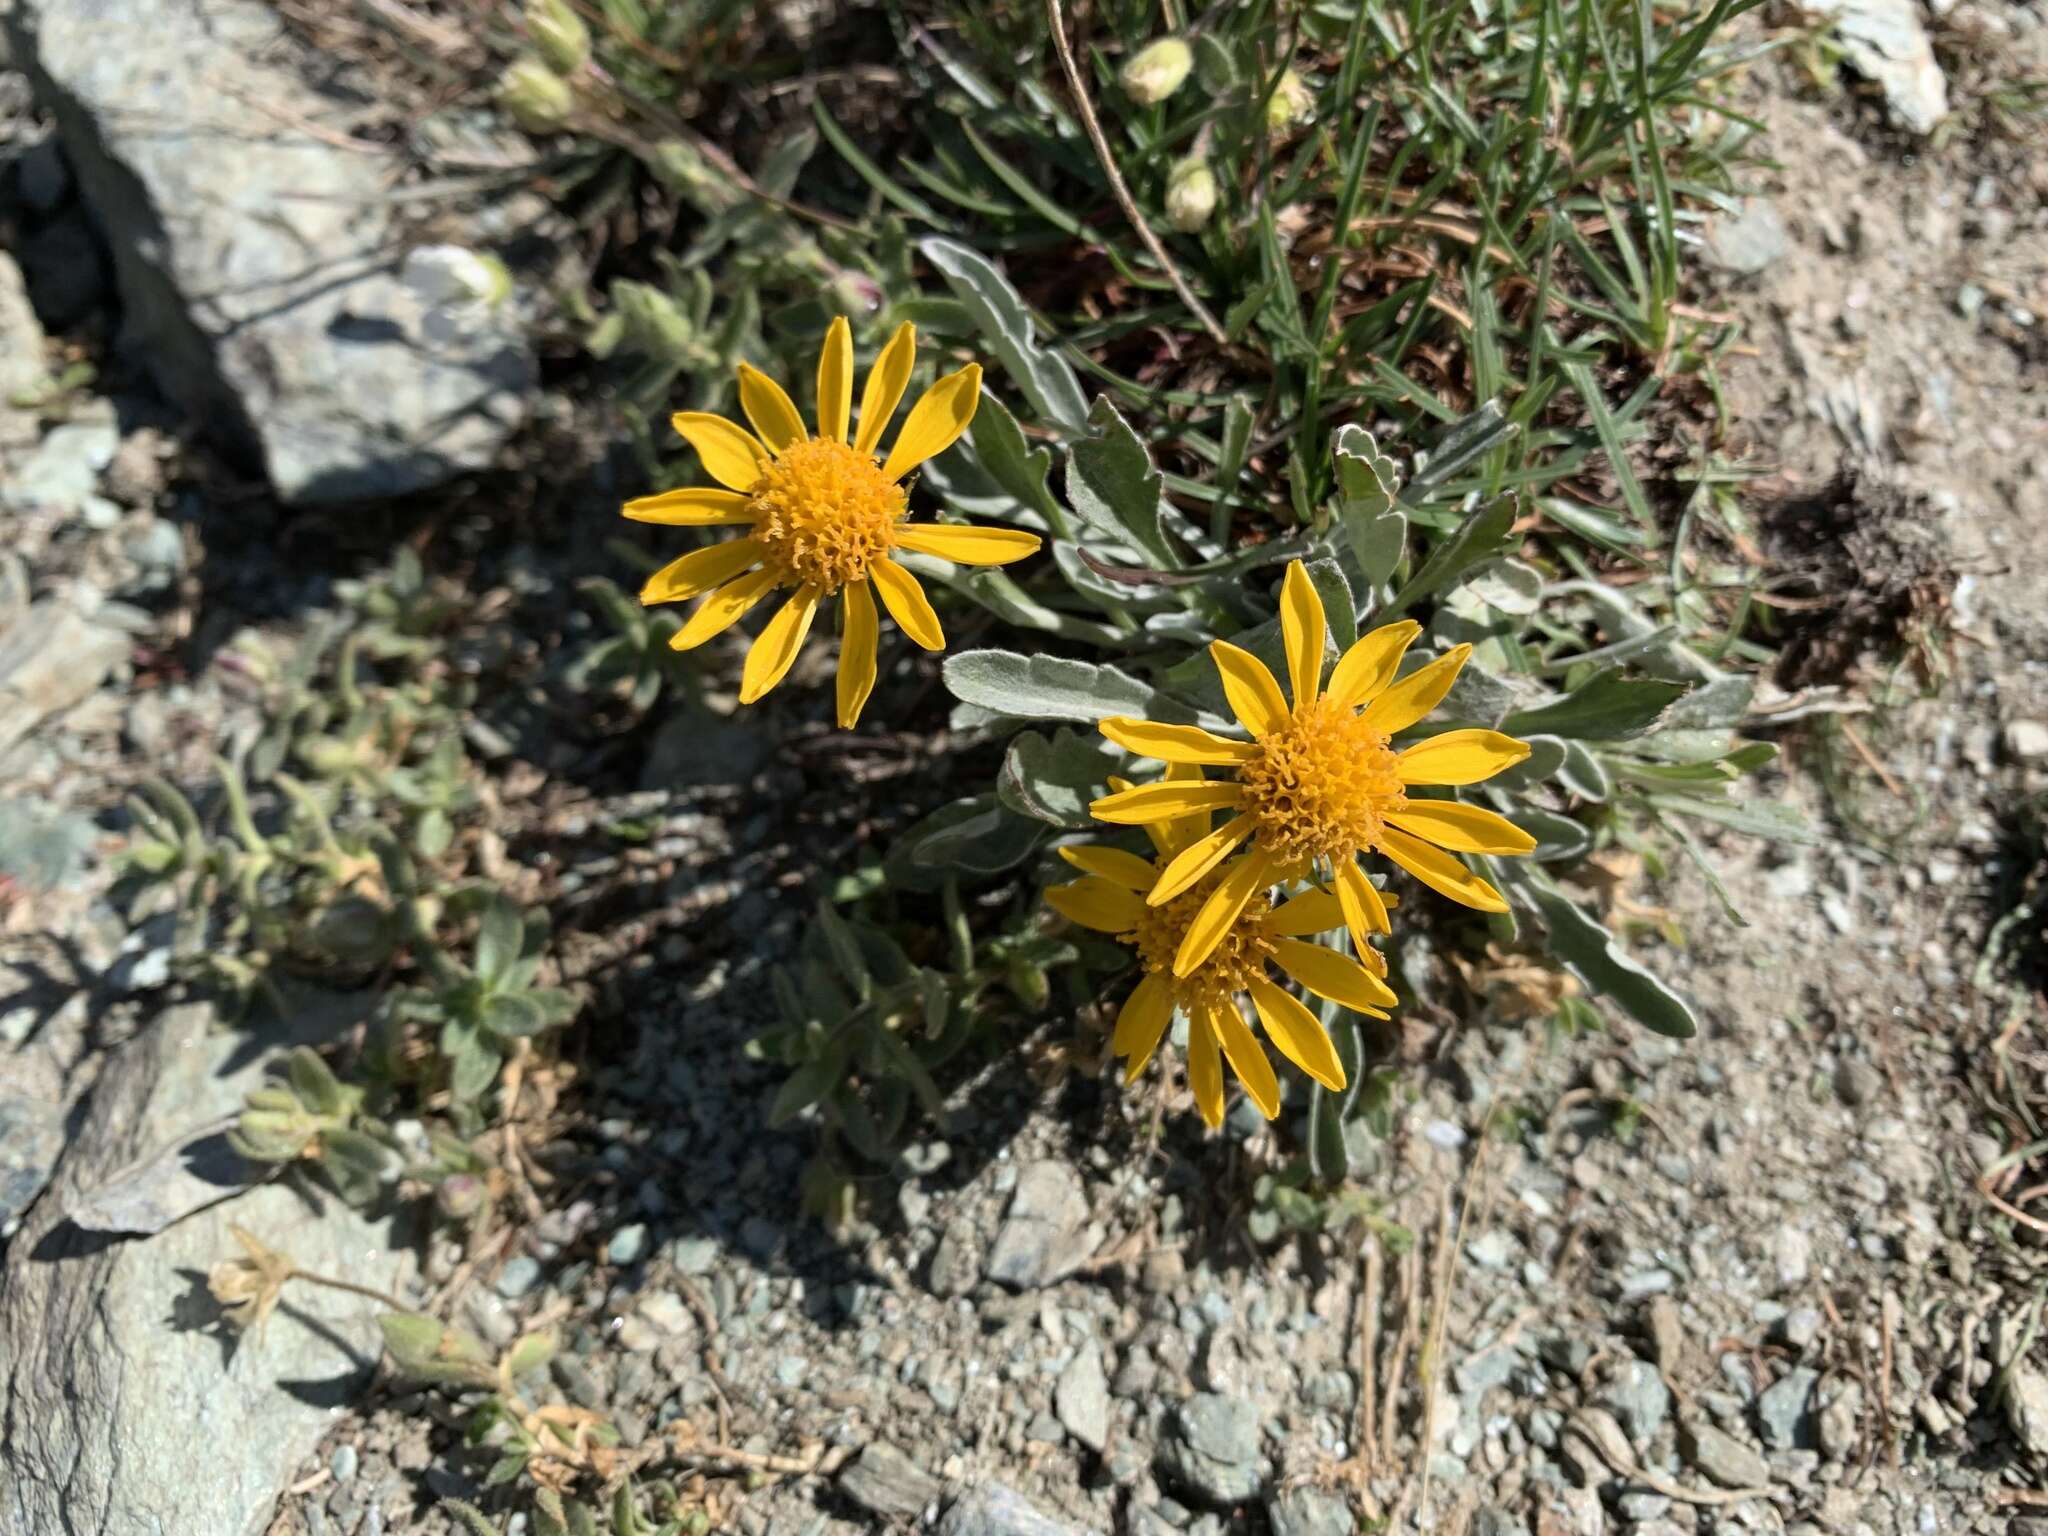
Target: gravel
[1211,1452]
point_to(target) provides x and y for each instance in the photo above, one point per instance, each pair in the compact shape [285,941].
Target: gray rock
[1749,242]
[2026,1407]
[255,262]
[1081,1398]
[31,1138]
[520,1275]
[1722,1457]
[1638,1399]
[42,848]
[1801,1327]
[2026,741]
[697,747]
[343,1463]
[1038,1243]
[21,342]
[628,1244]
[1310,1512]
[1792,1256]
[1784,1411]
[111,1369]
[1857,1081]
[883,1481]
[993,1510]
[60,474]
[1886,41]
[955,1268]
[1212,1450]
[1840,1421]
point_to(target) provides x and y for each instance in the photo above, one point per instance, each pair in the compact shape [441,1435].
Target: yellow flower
[1111,898]
[1321,783]
[825,516]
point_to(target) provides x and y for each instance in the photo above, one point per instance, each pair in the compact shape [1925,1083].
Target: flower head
[1320,782]
[248,1288]
[1111,897]
[1157,70]
[1291,103]
[539,100]
[825,517]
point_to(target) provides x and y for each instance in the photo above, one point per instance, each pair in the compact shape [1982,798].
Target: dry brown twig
[1122,193]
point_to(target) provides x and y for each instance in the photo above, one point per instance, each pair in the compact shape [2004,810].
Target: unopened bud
[1291,103]
[539,100]
[558,32]
[1190,194]
[1157,70]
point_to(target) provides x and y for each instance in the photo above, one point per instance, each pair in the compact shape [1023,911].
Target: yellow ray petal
[936,421]
[1365,911]
[857,647]
[1175,743]
[1225,904]
[700,570]
[887,380]
[907,604]
[770,409]
[1440,872]
[1170,837]
[1417,694]
[1297,1033]
[1328,974]
[732,455]
[1205,1071]
[1459,757]
[1165,800]
[966,544]
[1364,671]
[1254,696]
[1461,828]
[1313,911]
[696,506]
[1141,1022]
[769,658]
[1198,858]
[835,380]
[1247,1056]
[722,609]
[1301,632]
[1096,903]
[1126,869]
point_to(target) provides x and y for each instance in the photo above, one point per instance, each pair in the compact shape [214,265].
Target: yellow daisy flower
[825,516]
[1111,899]
[1320,784]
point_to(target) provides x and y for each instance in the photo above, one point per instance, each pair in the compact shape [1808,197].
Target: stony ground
[1749,1282]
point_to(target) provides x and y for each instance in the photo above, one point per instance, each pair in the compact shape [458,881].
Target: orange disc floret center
[1236,962]
[1321,785]
[824,512]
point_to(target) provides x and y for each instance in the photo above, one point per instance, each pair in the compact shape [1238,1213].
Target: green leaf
[1005,325]
[1758,818]
[1340,609]
[983,838]
[531,1352]
[1590,951]
[472,1061]
[1584,774]
[805,1087]
[358,1164]
[1606,707]
[1113,487]
[1483,535]
[317,1087]
[1367,484]
[1009,458]
[1608,430]
[1557,837]
[500,935]
[1054,780]
[1546,756]
[513,1015]
[1053,688]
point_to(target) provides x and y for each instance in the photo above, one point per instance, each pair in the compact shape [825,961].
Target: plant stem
[353,1289]
[1117,188]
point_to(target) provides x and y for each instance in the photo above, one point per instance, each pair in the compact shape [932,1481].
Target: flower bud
[539,100]
[1190,194]
[558,32]
[1291,103]
[1157,70]
[460,1196]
